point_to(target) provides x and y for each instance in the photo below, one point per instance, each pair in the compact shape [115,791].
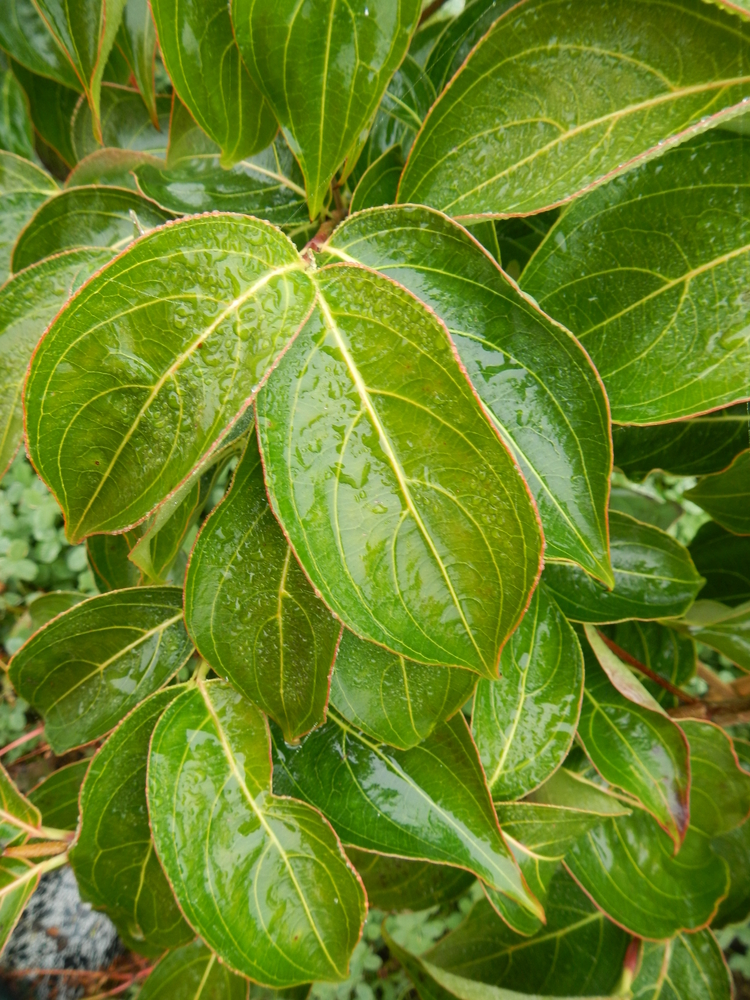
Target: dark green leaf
[23,188]
[379,183]
[525,722]
[251,611]
[136,40]
[90,666]
[254,874]
[643,507]
[726,495]
[109,559]
[392,699]
[28,303]
[669,654]
[693,447]
[645,272]
[17,813]
[429,803]
[191,973]
[518,361]
[203,62]
[47,606]
[56,796]
[113,167]
[15,125]
[85,217]
[125,123]
[52,106]
[231,292]
[722,628]
[631,745]
[505,138]
[654,577]
[114,840]
[24,34]
[399,884]
[689,967]
[724,560]
[323,68]
[518,239]
[734,848]
[460,37]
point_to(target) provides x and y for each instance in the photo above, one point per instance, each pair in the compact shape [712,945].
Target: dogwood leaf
[400,884]
[25,35]
[688,967]
[23,188]
[722,628]
[726,495]
[136,40]
[190,972]
[724,560]
[56,796]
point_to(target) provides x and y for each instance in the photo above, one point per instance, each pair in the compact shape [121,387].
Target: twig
[21,740]
[731,712]
[717,689]
[42,748]
[433,8]
[686,699]
[43,850]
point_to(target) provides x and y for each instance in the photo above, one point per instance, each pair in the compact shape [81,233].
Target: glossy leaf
[570,790]
[666,652]
[644,507]
[136,40]
[689,967]
[85,31]
[726,495]
[204,64]
[254,873]
[23,188]
[654,578]
[519,237]
[125,123]
[24,34]
[113,167]
[323,68]
[56,796]
[113,857]
[663,323]
[193,972]
[28,303]
[16,812]
[724,560]
[734,848]
[90,666]
[524,723]
[635,747]
[162,406]
[429,803]
[251,611]
[85,217]
[18,880]
[109,559]
[404,508]
[519,362]
[399,884]
[460,37]
[722,628]
[392,699]
[52,106]
[507,139]
[693,447]
[379,183]
[15,125]
[45,607]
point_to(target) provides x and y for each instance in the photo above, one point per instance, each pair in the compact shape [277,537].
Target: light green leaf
[125,123]
[506,139]
[643,507]
[251,611]
[204,64]
[23,188]
[519,362]
[52,106]
[726,495]
[109,559]
[724,560]
[689,967]
[113,167]
[662,649]
[16,134]
[24,34]
[392,699]
[400,884]
[404,508]
[254,874]
[524,723]
[193,972]
[654,578]
[429,803]
[18,880]
[114,839]
[85,217]
[570,790]
[722,628]
[56,796]
[460,37]
[28,303]
[90,666]
[17,813]
[620,675]
[645,272]
[133,425]
[379,183]
[136,40]
[323,67]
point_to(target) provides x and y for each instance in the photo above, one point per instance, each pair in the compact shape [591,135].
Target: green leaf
[722,628]
[47,606]
[654,578]
[323,68]
[85,217]
[18,880]
[136,40]
[204,64]
[518,361]
[519,237]
[632,745]
[192,972]
[689,967]
[506,139]
[525,722]
[255,874]
[56,796]
[251,611]
[16,135]
[114,840]
[645,272]
[429,803]
[693,447]
[16,812]
[424,538]
[28,303]
[392,699]
[570,790]
[726,495]
[86,669]
[666,652]
[109,559]
[734,848]
[399,884]
[132,426]
[125,123]
[643,507]
[724,560]
[460,37]
[24,34]
[52,106]
[85,31]
[23,188]
[113,167]
[379,183]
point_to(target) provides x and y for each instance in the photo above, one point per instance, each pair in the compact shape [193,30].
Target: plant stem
[40,832]
[201,672]
[433,8]
[686,699]
[21,740]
